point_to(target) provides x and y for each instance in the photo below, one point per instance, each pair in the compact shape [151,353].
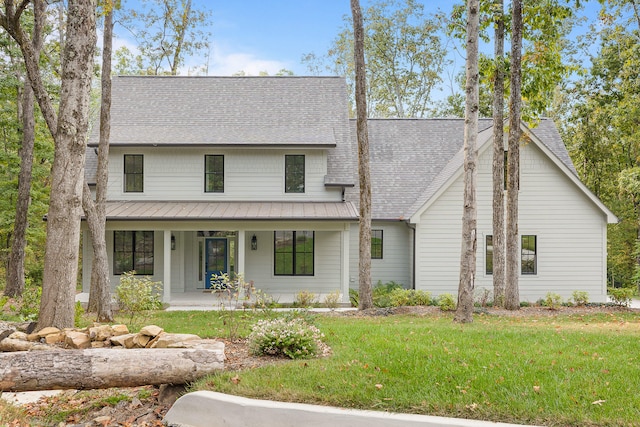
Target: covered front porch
[280,256]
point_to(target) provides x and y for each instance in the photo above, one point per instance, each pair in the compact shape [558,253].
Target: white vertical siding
[396,262]
[569,229]
[249,174]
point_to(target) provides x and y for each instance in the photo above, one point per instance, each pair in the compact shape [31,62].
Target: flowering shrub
[293,338]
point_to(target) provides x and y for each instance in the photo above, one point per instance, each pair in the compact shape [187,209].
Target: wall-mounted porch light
[173,242]
[254,243]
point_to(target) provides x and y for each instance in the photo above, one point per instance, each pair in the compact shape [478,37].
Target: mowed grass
[560,371]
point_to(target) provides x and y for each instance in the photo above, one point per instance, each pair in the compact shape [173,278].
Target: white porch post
[166,294]
[241,249]
[344,274]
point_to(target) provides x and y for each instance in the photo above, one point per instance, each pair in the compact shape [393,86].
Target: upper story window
[294,173]
[376,244]
[529,255]
[214,173]
[133,173]
[293,253]
[133,251]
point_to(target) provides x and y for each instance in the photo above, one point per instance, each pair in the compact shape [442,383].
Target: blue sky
[269,35]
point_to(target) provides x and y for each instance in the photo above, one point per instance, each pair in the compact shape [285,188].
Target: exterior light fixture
[254,243]
[173,242]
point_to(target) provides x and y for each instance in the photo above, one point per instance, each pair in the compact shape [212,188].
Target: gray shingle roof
[412,158]
[171,110]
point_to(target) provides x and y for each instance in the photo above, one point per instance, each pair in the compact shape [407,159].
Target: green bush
[136,294]
[580,298]
[621,296]
[30,304]
[409,297]
[293,338]
[447,302]
[552,301]
[419,297]
[382,293]
[399,297]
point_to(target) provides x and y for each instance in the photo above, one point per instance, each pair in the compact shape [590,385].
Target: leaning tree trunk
[15,271]
[498,239]
[512,294]
[105,368]
[365,292]
[100,292]
[464,311]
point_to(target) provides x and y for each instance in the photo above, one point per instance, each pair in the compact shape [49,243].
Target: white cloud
[227,63]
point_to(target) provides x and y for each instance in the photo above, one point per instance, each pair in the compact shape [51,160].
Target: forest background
[581,65]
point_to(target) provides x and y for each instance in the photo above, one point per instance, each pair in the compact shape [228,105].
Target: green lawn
[562,371]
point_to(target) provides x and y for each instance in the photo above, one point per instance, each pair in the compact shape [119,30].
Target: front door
[215,261]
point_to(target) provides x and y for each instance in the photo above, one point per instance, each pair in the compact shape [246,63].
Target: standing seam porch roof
[218,211]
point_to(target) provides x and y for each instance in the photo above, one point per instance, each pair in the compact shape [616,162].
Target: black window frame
[135,178]
[289,255]
[294,173]
[377,247]
[488,255]
[529,261]
[135,245]
[216,175]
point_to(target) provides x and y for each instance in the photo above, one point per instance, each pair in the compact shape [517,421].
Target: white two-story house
[258,175]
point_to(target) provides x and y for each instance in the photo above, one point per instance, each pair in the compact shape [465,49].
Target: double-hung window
[294,173]
[376,244]
[293,253]
[133,251]
[528,255]
[133,173]
[488,257]
[214,173]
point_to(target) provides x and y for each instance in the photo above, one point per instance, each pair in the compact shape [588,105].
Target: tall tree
[69,128]
[404,55]
[364,264]
[498,237]
[464,311]
[167,31]
[95,211]
[512,293]
[16,272]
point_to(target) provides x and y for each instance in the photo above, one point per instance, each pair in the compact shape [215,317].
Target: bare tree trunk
[100,292]
[15,271]
[69,129]
[512,294]
[364,266]
[105,368]
[498,238]
[464,311]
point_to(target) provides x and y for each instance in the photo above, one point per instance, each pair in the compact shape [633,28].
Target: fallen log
[105,368]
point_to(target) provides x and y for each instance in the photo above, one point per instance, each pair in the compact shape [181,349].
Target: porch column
[166,288]
[241,257]
[344,265]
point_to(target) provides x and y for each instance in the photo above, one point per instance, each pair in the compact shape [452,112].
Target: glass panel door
[215,262]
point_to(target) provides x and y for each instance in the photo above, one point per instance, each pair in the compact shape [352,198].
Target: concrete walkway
[207,408]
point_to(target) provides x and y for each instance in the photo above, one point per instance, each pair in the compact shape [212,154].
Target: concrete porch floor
[207,300]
